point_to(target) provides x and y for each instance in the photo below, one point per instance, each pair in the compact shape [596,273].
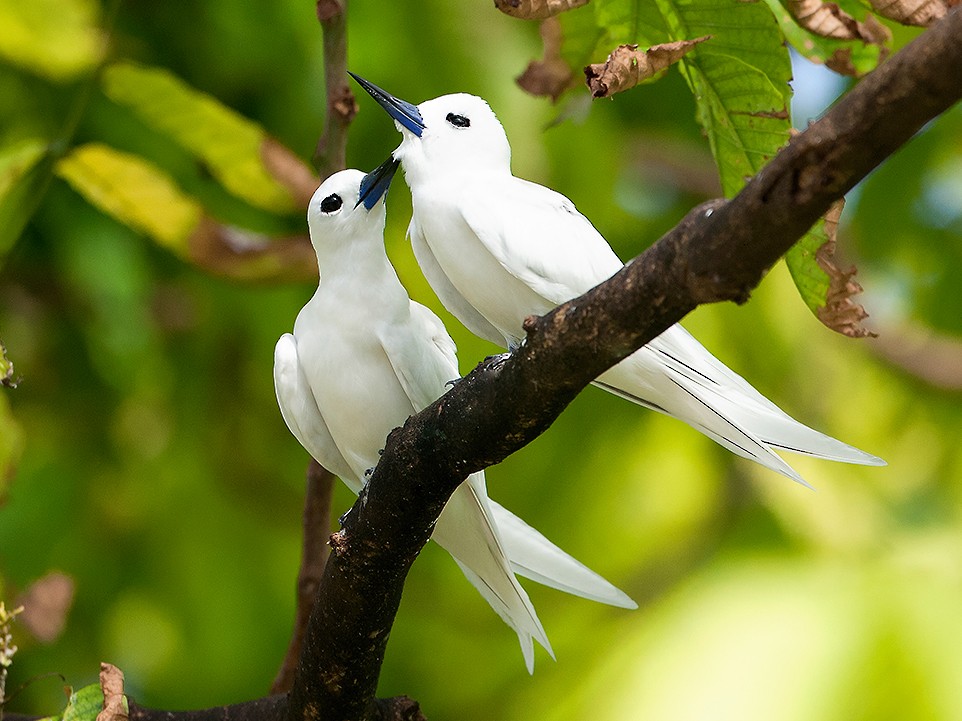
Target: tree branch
[331,153]
[720,251]
[314,553]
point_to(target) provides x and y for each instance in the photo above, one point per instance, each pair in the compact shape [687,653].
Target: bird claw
[493,361]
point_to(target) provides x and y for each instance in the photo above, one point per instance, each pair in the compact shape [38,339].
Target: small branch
[314,553]
[720,251]
[331,153]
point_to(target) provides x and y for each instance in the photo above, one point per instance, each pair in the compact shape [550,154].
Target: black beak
[376,183]
[401,110]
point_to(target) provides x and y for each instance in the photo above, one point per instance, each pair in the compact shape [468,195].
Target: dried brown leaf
[550,76]
[913,12]
[841,62]
[840,312]
[289,170]
[626,66]
[828,20]
[112,685]
[46,603]
[874,32]
[825,19]
[536,9]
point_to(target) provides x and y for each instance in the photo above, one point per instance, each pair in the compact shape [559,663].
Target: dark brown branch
[314,553]
[331,153]
[720,251]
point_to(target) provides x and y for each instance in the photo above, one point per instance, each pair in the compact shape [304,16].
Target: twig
[314,553]
[330,155]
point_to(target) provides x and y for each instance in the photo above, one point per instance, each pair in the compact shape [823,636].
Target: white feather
[364,357]
[498,249]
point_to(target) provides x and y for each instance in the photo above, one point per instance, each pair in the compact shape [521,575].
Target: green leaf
[812,282]
[25,169]
[229,144]
[740,82]
[85,704]
[864,57]
[133,191]
[582,34]
[55,38]
[739,77]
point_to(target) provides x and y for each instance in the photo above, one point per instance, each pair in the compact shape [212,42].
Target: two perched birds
[496,249]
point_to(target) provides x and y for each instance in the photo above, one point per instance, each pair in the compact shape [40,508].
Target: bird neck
[354,268]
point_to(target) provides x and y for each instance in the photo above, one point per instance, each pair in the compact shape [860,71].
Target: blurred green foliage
[145,455]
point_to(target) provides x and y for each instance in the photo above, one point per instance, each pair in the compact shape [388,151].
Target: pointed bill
[376,183]
[401,110]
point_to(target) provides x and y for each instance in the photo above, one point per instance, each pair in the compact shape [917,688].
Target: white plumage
[362,358]
[496,249]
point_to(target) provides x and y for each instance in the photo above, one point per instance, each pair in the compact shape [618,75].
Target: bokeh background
[148,462]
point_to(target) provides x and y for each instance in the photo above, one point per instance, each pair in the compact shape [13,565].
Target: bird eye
[331,203]
[458,121]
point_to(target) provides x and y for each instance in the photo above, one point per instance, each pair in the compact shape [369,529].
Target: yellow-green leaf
[133,191]
[229,144]
[59,39]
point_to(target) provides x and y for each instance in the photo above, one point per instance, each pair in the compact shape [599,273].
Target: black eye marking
[458,121]
[331,203]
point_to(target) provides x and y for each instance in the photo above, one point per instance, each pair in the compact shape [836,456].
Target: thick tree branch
[720,251]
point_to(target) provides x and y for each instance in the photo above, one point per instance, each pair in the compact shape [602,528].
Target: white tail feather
[533,556]
[468,532]
[715,400]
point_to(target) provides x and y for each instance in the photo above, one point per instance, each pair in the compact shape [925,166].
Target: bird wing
[539,237]
[422,355]
[450,297]
[301,414]
[424,360]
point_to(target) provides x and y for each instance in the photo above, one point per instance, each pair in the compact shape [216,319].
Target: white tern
[497,249]
[364,357]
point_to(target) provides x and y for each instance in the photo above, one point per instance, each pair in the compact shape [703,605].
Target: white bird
[497,249]
[364,357]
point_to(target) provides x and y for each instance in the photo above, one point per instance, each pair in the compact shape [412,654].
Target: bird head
[346,204]
[456,133]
